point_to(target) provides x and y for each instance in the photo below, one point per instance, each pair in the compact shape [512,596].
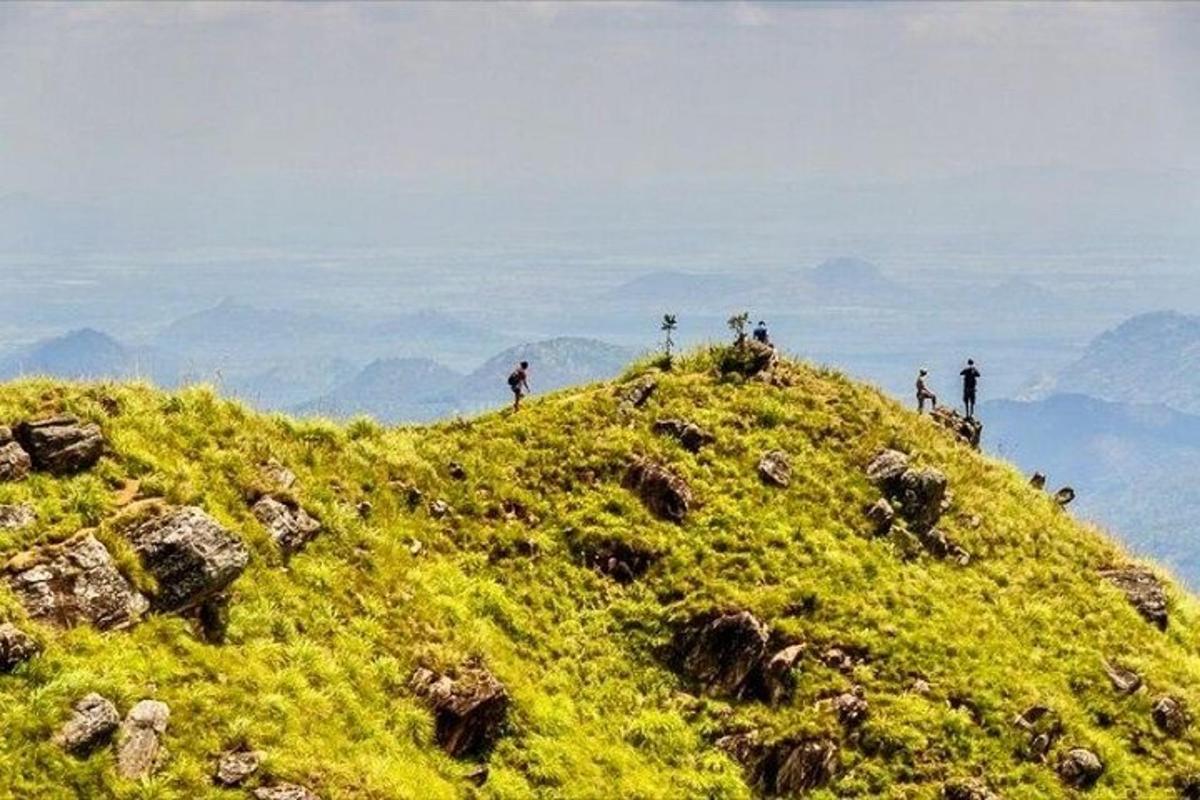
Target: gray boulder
[1124,680]
[775,468]
[18,516]
[139,740]
[276,474]
[290,526]
[968,430]
[1144,591]
[236,766]
[75,582]
[720,652]
[778,674]
[689,435]
[886,469]
[1080,768]
[881,515]
[786,768]
[922,492]
[61,445]
[191,557]
[15,463]
[1171,716]
[285,791]
[967,789]
[16,647]
[470,711]
[662,491]
[91,726]
[851,708]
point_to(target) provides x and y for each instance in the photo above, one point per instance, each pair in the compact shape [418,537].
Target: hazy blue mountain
[1020,295]
[231,328]
[1150,358]
[670,289]
[392,390]
[88,354]
[1133,465]
[289,384]
[554,363]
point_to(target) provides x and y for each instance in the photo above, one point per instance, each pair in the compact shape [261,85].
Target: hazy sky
[107,103]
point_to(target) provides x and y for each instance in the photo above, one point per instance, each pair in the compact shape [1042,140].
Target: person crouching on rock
[760,333]
[923,392]
[518,381]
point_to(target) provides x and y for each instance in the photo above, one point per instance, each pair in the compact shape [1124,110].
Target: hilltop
[739,578]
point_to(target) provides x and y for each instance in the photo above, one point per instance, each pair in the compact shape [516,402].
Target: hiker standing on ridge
[923,393]
[760,333]
[518,381]
[970,376]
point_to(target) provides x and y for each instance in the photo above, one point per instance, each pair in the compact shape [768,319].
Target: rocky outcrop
[469,711]
[92,724]
[16,517]
[851,708]
[16,647]
[661,490]
[1143,590]
[720,652]
[74,582]
[968,789]
[15,463]
[775,468]
[774,681]
[285,791]
[747,358]
[191,557]
[633,395]
[277,475]
[968,430]
[236,766]
[922,492]
[621,561]
[61,445]
[881,515]
[139,740]
[1124,680]
[1080,768]
[786,768]
[290,526]
[886,470]
[689,435]
[1044,728]
[1171,716]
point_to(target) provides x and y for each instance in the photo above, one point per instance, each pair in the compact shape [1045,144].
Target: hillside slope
[866,665]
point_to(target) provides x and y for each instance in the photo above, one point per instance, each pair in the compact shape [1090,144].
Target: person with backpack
[923,392]
[518,381]
[760,333]
[970,376]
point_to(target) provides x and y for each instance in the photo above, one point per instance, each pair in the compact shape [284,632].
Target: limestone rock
[968,430]
[967,789]
[689,435]
[61,445]
[1124,680]
[786,768]
[139,741]
[881,516]
[720,652]
[1170,715]
[190,555]
[290,526]
[921,494]
[277,475]
[775,468]
[776,676]
[285,791]
[16,647]
[1143,590]
[469,711]
[15,463]
[1080,768]
[886,469]
[663,492]
[236,766]
[851,708]
[74,582]
[15,517]
[91,726]
[634,395]
[747,358]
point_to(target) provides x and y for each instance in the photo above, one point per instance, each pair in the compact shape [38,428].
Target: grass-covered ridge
[315,670]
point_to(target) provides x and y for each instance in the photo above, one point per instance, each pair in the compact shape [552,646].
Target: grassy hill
[485,543]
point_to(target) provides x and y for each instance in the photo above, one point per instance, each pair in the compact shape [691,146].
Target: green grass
[315,669]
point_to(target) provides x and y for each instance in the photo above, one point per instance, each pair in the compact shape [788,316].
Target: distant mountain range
[1133,465]
[1150,358]
[88,354]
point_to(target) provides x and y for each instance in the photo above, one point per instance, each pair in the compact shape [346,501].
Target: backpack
[514,380]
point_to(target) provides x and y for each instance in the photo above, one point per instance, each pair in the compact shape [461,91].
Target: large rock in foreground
[139,741]
[74,582]
[469,711]
[1143,590]
[720,652]
[15,463]
[190,555]
[664,493]
[968,430]
[62,445]
[94,721]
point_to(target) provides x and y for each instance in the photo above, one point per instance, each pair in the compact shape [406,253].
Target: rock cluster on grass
[139,739]
[469,711]
[775,468]
[968,789]
[1144,591]
[916,494]
[1044,727]
[788,767]
[16,647]
[190,555]
[622,561]
[747,358]
[662,491]
[285,791]
[236,766]
[968,430]
[92,724]
[290,526]
[689,435]
[1080,768]
[17,516]
[15,463]
[633,395]
[61,445]
[74,582]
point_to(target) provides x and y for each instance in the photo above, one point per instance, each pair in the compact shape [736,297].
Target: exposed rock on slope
[191,557]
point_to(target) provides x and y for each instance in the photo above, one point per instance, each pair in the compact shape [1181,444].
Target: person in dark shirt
[923,392]
[970,376]
[760,333]
[518,381]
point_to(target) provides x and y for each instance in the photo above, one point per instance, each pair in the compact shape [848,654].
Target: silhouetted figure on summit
[518,381]
[760,333]
[970,376]
[923,392]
